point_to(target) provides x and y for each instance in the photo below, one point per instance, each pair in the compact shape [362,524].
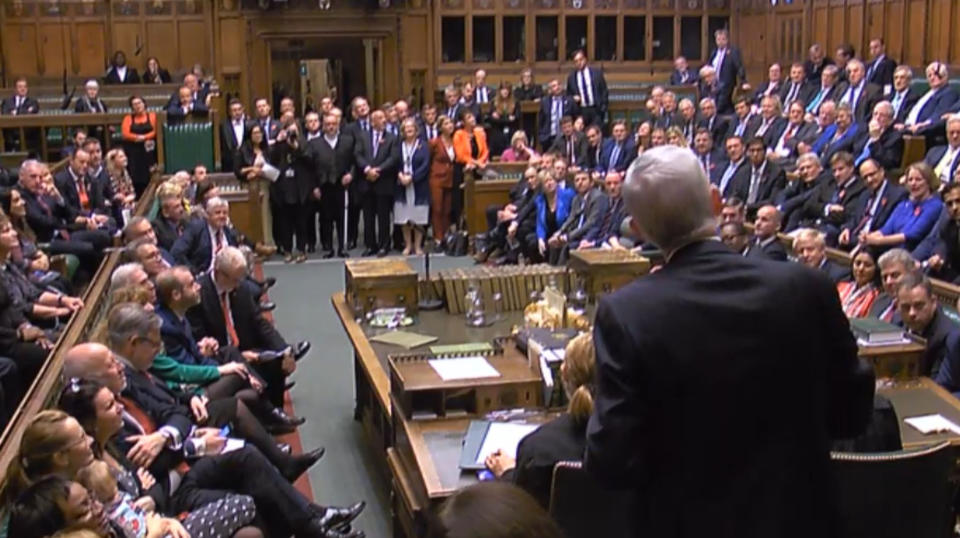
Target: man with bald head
[684,353]
[765,242]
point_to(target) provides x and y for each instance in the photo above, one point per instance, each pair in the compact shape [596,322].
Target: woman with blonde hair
[561,439]
[120,180]
[675,137]
[519,150]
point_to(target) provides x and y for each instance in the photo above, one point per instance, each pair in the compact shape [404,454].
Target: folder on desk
[484,437]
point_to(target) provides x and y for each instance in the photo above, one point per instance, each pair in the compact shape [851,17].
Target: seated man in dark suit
[178,292]
[106,201]
[712,158]
[186,107]
[945,261]
[606,231]
[617,151]
[902,96]
[831,88]
[18,104]
[82,194]
[877,205]
[171,221]
[770,123]
[834,200]
[894,264]
[686,119]
[585,210]
[66,230]
[156,435]
[243,326]
[920,314]
[767,178]
[734,179]
[944,159]
[861,95]
[811,251]
[120,72]
[571,144]
[499,219]
[880,141]
[931,106]
[682,75]
[735,236]
[791,199]
[710,303]
[838,137]
[744,121]
[797,88]
[880,67]
[796,130]
[772,86]
[765,241]
[714,123]
[204,238]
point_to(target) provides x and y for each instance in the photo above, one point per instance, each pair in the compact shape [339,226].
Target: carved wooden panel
[483,4]
[635,4]
[90,50]
[190,7]
[718,4]
[453,4]
[89,8]
[606,4]
[547,4]
[691,4]
[663,4]
[159,7]
[514,4]
[126,8]
[23,39]
[578,4]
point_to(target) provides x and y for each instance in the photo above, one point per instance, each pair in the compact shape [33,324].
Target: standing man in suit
[765,243]
[427,123]
[798,88]
[588,88]
[728,63]
[743,120]
[944,159]
[860,94]
[902,96]
[334,154]
[877,206]
[682,75]
[270,126]
[18,104]
[772,86]
[119,72]
[880,141]
[642,398]
[232,133]
[880,67]
[358,130]
[378,158]
[935,103]
[481,91]
[186,107]
[90,101]
[553,107]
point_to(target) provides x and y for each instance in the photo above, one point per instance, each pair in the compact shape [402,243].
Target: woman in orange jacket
[470,147]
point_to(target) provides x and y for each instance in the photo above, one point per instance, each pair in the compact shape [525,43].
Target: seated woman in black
[564,438]
[55,504]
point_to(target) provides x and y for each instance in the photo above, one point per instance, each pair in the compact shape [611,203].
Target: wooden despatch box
[604,271]
[379,283]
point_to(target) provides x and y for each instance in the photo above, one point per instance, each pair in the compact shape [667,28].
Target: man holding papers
[709,348]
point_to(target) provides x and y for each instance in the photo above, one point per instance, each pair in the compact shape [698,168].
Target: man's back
[720,382]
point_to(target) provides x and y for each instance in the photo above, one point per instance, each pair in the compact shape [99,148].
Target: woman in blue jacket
[411,200]
[914,217]
[553,206]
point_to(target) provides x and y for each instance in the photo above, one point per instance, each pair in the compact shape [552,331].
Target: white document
[927,424]
[270,172]
[232,444]
[504,437]
[464,368]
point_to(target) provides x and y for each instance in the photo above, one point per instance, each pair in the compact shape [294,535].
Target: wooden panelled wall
[916,32]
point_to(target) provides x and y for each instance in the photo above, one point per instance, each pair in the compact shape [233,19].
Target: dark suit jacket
[796,193]
[28,106]
[176,114]
[738,184]
[826,146]
[623,159]
[387,159]
[935,334]
[883,68]
[936,153]
[68,189]
[84,106]
[714,164]
[765,89]
[546,104]
[677,77]
[891,196]
[178,340]
[909,100]
[254,331]
[46,216]
[870,95]
[836,272]
[773,179]
[804,94]
[335,162]
[887,150]
[813,209]
[114,78]
[749,122]
[168,232]
[814,71]
[697,365]
[598,88]
[229,145]
[948,247]
[195,246]
[834,93]
[580,147]
[164,406]
[774,129]
[717,126]
[731,71]
[590,207]
[561,439]
[805,132]
[772,250]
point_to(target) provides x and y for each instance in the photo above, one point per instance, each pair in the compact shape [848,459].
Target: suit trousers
[441,199]
[376,220]
[87,246]
[292,220]
[591,116]
[246,426]
[456,195]
[331,216]
[353,214]
[246,471]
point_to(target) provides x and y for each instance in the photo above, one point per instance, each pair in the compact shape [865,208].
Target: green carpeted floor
[324,390]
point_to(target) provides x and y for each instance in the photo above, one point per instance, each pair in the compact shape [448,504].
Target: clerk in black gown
[562,439]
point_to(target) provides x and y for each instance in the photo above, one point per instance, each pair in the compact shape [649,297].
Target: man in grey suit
[585,211]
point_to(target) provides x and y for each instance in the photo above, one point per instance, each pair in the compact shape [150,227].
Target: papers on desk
[927,424]
[463,368]
[505,437]
[405,339]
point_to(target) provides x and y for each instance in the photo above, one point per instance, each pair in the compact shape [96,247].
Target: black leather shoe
[268,306]
[336,517]
[300,349]
[343,254]
[285,448]
[351,245]
[279,417]
[382,252]
[269,355]
[328,254]
[289,385]
[314,530]
[279,429]
[269,282]
[299,464]
[369,252]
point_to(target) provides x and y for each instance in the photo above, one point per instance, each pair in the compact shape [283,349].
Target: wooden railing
[115,96]
[109,122]
[46,387]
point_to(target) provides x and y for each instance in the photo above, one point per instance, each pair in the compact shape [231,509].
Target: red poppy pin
[883,201]
[916,211]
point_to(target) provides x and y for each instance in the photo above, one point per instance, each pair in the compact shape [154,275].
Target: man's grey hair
[133,222]
[852,62]
[831,70]
[668,195]
[897,256]
[811,157]
[128,320]
[809,234]
[215,202]
[26,165]
[706,100]
[954,118]
[123,275]
[229,258]
[92,84]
